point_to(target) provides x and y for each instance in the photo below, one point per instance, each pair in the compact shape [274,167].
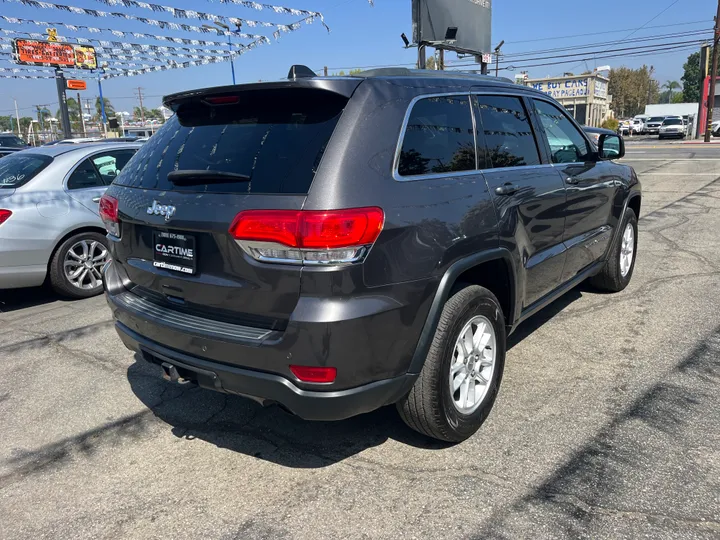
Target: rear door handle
[506,189]
[571,180]
[96,199]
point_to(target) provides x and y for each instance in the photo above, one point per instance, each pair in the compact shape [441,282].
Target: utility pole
[62,99]
[142,109]
[17,115]
[713,77]
[82,115]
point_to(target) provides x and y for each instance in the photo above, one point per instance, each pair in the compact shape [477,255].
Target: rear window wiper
[202,176]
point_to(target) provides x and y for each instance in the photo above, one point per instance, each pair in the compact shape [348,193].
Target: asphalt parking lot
[607,424]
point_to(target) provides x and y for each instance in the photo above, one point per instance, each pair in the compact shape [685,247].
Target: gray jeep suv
[336,244]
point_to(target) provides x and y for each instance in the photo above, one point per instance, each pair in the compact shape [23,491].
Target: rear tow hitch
[170,373]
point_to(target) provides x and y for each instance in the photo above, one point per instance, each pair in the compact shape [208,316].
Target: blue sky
[361,35]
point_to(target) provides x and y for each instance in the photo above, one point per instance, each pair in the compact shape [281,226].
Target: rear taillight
[314,374]
[308,236]
[109,214]
[4,215]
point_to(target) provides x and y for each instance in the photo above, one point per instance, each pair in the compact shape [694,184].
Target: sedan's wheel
[75,270]
[459,381]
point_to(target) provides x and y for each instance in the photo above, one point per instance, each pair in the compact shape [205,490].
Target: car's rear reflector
[312,374]
[108,209]
[308,236]
[4,215]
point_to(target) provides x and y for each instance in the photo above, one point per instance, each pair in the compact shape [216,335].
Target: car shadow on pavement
[15,299]
[242,425]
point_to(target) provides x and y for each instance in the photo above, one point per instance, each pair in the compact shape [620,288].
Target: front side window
[438,137]
[109,164]
[567,145]
[508,134]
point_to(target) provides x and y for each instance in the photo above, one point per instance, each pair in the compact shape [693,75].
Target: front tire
[76,265]
[618,269]
[459,381]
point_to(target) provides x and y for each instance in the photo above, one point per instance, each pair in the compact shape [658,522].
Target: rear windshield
[18,169]
[12,141]
[673,122]
[274,138]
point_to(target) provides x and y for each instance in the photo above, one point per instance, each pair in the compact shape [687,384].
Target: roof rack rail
[406,72]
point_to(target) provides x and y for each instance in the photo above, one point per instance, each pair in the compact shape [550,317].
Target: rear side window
[19,168]
[508,135]
[274,138]
[438,137]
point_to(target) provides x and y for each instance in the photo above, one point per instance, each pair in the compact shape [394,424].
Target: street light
[497,57]
[225,27]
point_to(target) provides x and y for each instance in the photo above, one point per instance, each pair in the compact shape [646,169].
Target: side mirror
[611,146]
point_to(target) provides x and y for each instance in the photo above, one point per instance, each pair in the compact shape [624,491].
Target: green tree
[138,114]
[671,86]
[678,98]
[632,90]
[691,79]
[109,109]
[6,123]
[73,113]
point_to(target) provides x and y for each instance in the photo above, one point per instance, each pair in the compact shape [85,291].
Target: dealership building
[584,96]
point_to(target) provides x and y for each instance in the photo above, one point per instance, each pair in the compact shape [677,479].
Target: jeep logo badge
[161,210]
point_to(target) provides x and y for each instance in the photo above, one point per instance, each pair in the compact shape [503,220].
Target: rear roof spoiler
[343,86]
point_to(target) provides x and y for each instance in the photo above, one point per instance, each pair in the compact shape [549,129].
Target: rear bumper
[370,340]
[269,388]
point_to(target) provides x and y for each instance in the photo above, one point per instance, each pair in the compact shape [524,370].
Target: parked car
[715,128]
[6,151]
[672,126]
[50,228]
[595,133]
[10,140]
[637,126]
[653,124]
[339,244]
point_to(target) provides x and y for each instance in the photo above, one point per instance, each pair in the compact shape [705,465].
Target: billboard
[563,88]
[53,54]
[472,18]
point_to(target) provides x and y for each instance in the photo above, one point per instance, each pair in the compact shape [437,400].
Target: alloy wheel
[83,263]
[473,364]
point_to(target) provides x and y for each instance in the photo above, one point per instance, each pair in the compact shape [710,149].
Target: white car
[672,126]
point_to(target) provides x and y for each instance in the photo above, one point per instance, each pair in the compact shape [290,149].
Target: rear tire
[432,407]
[618,269]
[70,276]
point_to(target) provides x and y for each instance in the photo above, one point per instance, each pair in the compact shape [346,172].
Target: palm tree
[109,109]
[671,86]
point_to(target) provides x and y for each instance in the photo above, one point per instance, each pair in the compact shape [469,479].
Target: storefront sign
[601,89]
[76,84]
[568,88]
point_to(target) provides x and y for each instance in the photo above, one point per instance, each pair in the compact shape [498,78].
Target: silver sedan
[50,229]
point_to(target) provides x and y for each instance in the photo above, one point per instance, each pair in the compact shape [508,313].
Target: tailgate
[219,155]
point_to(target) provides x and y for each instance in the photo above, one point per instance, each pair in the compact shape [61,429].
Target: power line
[555,38]
[644,25]
[611,43]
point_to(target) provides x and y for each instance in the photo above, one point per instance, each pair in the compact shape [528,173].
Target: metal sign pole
[62,99]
